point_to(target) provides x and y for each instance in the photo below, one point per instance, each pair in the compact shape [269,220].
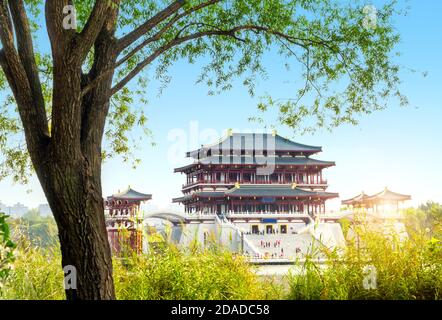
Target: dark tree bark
[74,175]
[67,161]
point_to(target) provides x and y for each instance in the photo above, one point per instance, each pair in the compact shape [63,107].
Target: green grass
[405,269]
[199,274]
[167,274]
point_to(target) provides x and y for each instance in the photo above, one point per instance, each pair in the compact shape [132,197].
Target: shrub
[405,269]
[165,274]
[37,275]
[195,274]
[6,250]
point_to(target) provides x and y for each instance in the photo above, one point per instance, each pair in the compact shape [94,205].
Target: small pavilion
[385,201]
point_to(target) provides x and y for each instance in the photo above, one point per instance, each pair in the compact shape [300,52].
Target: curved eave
[244,141]
[195,153]
[184,168]
[313,163]
[199,195]
[385,195]
[132,199]
[263,191]
[181,199]
[312,196]
[389,198]
[130,194]
[140,198]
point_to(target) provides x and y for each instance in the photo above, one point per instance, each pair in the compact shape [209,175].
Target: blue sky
[400,147]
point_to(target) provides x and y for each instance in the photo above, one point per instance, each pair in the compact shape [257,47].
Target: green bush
[36,275]
[38,230]
[166,274]
[405,269]
[196,274]
[6,250]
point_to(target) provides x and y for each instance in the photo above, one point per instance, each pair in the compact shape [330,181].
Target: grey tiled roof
[263,160]
[259,160]
[276,191]
[205,194]
[130,194]
[385,195]
[253,190]
[256,141]
[359,198]
[389,196]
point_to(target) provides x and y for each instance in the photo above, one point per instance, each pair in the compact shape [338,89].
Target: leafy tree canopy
[345,51]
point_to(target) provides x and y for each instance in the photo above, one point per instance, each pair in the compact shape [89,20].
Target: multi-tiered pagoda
[124,220]
[254,174]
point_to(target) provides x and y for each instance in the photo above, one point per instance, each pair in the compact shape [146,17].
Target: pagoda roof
[254,190]
[359,198]
[131,194]
[255,141]
[385,195]
[257,160]
[388,195]
[200,194]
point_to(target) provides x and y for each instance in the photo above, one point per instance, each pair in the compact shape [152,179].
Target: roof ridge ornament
[294,185]
[237,185]
[274,132]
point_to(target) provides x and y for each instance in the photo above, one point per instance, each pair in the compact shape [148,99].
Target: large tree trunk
[76,201]
[71,179]
[67,157]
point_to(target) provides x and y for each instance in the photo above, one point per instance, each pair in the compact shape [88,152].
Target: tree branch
[59,37]
[176,41]
[94,110]
[169,25]
[145,43]
[4,4]
[92,29]
[161,50]
[31,109]
[133,36]
[26,53]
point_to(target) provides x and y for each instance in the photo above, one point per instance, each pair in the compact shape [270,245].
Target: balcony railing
[265,214]
[222,183]
[122,217]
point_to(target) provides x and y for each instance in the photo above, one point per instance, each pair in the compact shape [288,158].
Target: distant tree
[68,100]
[39,231]
[427,218]
[32,215]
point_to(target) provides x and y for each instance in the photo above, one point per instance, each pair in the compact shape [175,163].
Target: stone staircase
[282,246]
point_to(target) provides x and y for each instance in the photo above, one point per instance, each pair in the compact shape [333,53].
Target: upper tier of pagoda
[253,144]
[252,149]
